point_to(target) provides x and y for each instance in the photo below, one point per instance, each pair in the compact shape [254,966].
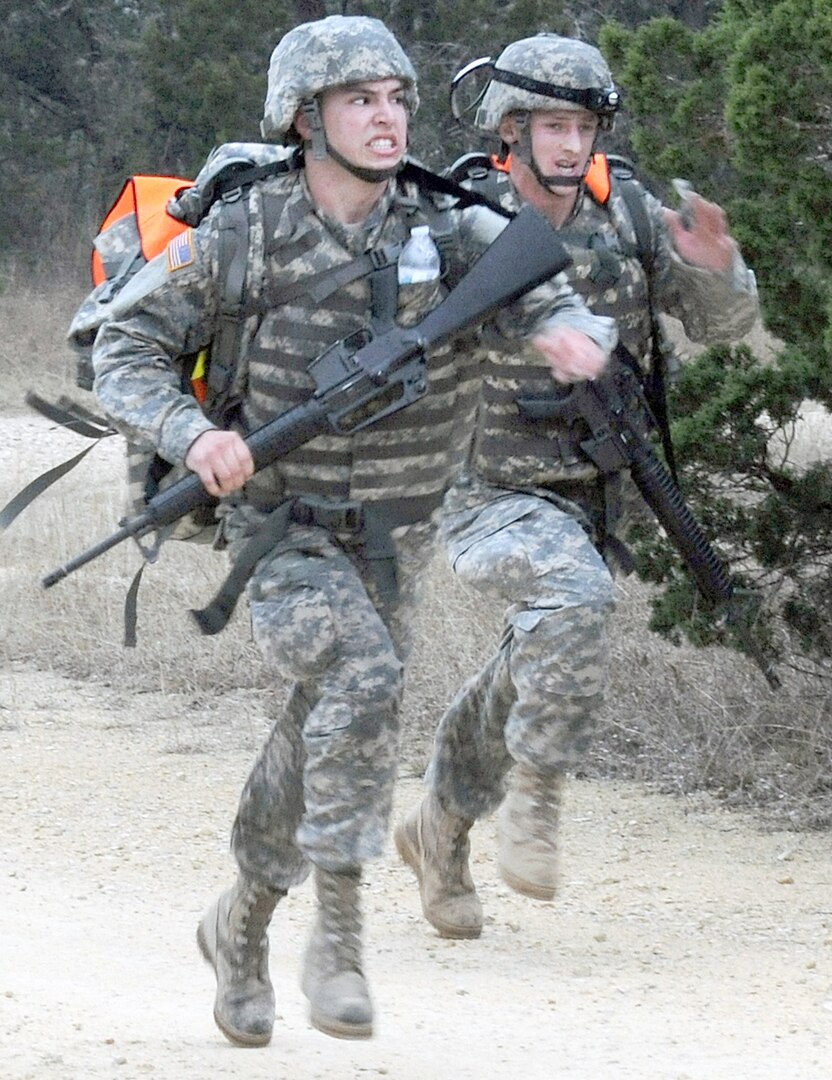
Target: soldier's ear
[302,126]
[508,129]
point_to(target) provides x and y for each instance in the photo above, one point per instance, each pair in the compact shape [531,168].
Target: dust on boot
[528,832]
[232,937]
[333,979]
[434,843]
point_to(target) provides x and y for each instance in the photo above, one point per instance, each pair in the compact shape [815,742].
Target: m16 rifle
[364,378]
[607,411]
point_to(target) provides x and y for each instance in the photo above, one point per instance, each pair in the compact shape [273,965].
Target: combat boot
[527,827]
[434,843]
[233,939]
[333,979]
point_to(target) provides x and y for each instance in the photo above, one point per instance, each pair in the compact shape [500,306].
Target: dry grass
[33,349]
[679,719]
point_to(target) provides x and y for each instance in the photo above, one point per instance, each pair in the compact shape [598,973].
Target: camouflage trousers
[321,788]
[536,700]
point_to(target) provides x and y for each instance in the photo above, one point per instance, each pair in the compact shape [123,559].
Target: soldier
[351,515]
[531,522]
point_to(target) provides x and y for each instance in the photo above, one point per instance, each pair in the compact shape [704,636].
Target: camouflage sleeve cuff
[600,328]
[716,306]
[181,427]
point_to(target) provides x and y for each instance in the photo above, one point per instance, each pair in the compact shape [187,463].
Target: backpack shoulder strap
[232,257]
[231,168]
[230,188]
[611,173]
[448,184]
[655,383]
[632,194]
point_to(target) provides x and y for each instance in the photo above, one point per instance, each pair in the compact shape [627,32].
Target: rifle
[608,410]
[363,379]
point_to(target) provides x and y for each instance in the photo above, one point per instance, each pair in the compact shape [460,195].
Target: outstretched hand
[221,460]
[707,242]
[572,356]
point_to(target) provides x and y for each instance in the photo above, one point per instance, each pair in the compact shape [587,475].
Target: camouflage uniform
[320,791]
[164,313]
[525,522]
[530,495]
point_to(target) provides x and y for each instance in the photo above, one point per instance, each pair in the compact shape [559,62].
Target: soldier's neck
[556,206]
[340,194]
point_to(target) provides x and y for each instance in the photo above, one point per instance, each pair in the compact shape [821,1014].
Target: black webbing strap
[245,175]
[150,553]
[384,287]
[322,285]
[434,182]
[21,500]
[377,544]
[131,609]
[215,616]
[233,263]
[612,548]
[74,418]
[370,525]
[655,388]
[72,415]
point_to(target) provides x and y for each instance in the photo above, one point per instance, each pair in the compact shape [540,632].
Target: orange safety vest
[146,197]
[597,177]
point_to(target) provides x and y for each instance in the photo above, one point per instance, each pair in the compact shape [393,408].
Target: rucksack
[148,214]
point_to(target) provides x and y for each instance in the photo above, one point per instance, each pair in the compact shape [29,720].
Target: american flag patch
[181,251]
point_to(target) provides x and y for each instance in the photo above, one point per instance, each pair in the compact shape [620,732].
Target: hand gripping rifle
[362,379]
[608,410]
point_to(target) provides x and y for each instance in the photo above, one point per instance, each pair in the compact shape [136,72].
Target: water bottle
[419,260]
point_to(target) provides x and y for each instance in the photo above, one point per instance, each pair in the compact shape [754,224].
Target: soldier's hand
[572,356]
[221,460]
[705,241]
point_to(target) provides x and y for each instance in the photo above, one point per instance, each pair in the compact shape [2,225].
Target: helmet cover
[548,72]
[335,51]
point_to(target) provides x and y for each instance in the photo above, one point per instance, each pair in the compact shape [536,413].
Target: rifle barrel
[134,527]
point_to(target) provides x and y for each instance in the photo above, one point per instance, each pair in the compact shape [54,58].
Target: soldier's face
[367,122]
[562,140]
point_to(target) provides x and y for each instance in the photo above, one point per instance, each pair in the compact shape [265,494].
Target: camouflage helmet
[548,72]
[334,51]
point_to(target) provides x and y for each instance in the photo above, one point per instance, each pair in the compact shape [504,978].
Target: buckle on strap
[334,516]
[382,257]
[365,520]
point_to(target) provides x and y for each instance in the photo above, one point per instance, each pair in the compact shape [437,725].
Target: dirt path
[685,946]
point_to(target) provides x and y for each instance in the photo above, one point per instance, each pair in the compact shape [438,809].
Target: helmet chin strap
[557,180]
[523,152]
[369,176]
[321,148]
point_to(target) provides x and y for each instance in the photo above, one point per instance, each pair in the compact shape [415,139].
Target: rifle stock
[363,379]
